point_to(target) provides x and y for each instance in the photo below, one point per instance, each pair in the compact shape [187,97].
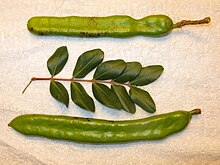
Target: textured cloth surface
[190,56]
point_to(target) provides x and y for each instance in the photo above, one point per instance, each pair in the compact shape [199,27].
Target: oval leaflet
[143,99]
[125,100]
[147,75]
[80,97]
[88,61]
[57,61]
[109,69]
[59,92]
[131,70]
[106,96]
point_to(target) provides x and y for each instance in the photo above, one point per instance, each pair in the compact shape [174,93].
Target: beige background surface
[190,56]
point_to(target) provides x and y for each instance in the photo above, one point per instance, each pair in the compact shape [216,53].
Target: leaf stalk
[72,80]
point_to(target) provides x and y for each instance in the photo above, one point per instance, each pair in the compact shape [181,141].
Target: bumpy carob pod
[118,26]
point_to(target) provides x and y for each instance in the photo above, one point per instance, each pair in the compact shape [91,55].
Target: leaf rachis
[117,73]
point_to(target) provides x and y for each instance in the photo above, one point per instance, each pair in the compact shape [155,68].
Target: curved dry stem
[182,23]
[27,85]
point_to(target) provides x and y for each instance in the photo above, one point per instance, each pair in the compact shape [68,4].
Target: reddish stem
[72,80]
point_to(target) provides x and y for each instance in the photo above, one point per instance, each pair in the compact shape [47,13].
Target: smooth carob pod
[91,130]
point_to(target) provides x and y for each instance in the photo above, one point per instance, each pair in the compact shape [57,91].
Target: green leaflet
[80,97]
[59,92]
[147,75]
[126,102]
[106,96]
[87,62]
[131,70]
[143,99]
[109,70]
[57,61]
